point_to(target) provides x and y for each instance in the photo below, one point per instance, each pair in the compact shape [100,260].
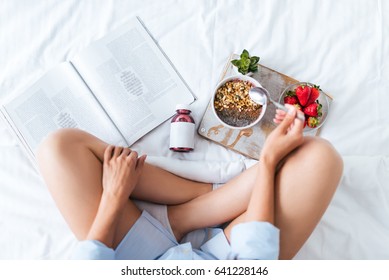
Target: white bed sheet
[341,45]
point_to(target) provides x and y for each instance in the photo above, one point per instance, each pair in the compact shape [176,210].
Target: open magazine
[118,89]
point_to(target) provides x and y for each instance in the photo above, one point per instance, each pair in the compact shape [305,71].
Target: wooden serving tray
[248,142]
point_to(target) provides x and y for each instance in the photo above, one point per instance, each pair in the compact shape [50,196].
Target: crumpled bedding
[341,45]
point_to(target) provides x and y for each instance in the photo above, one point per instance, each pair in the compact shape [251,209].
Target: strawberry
[313,110]
[291,93]
[298,107]
[312,122]
[303,93]
[314,95]
[290,100]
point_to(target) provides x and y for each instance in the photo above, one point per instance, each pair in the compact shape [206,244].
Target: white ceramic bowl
[254,83]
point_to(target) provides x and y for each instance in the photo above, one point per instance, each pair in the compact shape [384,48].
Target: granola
[233,104]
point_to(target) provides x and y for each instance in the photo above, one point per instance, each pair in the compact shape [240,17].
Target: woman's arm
[261,204]
[121,172]
[256,237]
[284,139]
[104,226]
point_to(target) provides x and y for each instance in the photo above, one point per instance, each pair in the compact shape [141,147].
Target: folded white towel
[202,171]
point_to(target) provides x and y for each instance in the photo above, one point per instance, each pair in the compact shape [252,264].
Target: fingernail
[291,111]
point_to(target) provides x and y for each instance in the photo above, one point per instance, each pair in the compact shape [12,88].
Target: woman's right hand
[121,172]
[284,139]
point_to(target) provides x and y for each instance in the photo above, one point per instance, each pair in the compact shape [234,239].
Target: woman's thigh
[305,186]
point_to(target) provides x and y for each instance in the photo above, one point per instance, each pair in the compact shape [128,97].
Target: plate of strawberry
[309,99]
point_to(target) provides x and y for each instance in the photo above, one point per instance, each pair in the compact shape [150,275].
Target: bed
[341,45]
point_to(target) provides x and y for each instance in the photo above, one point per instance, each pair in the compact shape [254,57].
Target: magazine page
[60,99]
[133,80]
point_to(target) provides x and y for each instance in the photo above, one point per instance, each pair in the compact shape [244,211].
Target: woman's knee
[321,154]
[58,143]
[322,148]
[315,156]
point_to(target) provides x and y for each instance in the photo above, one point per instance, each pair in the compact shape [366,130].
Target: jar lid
[182,107]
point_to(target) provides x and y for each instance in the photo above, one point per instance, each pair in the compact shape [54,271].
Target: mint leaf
[245,54]
[246,63]
[253,68]
[254,59]
[236,62]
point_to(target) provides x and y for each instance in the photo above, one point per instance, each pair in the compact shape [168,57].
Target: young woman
[119,207]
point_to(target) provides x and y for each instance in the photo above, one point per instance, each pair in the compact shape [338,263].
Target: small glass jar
[182,130]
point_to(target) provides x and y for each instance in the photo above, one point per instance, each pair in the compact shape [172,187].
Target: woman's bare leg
[73,174]
[71,164]
[220,206]
[301,202]
[304,186]
[70,161]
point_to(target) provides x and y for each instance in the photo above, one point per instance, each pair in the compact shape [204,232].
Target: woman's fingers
[288,120]
[125,152]
[108,153]
[132,158]
[280,113]
[297,126]
[117,151]
[279,116]
[302,115]
[141,162]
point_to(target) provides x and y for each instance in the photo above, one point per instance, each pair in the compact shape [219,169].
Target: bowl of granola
[232,104]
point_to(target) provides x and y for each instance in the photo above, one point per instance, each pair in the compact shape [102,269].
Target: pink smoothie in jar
[182,130]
